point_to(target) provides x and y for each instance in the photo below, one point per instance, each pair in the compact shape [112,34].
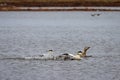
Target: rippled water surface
[33,33]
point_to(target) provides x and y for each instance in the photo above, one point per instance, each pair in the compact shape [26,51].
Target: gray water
[33,33]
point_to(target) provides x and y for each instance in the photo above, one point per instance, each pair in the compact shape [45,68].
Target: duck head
[50,51]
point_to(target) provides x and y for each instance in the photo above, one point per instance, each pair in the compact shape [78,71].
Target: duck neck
[50,52]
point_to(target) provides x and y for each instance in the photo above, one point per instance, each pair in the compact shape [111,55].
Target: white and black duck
[78,56]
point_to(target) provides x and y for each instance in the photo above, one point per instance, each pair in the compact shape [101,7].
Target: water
[33,33]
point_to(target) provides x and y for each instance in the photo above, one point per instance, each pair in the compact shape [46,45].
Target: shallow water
[32,33]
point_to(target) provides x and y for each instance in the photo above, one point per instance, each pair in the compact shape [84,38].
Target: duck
[47,56]
[65,56]
[78,56]
[96,14]
[49,52]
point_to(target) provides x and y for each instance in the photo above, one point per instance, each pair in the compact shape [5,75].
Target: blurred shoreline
[13,8]
[59,5]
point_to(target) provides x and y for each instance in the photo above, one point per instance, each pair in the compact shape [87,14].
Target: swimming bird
[47,56]
[92,14]
[78,56]
[96,14]
[48,53]
[65,56]
[68,56]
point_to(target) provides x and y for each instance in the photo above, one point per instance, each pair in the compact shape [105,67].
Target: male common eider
[78,56]
[47,56]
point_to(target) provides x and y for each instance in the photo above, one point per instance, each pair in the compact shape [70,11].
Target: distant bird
[92,14]
[47,56]
[49,52]
[78,56]
[97,14]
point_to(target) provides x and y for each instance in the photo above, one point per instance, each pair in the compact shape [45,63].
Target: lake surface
[33,33]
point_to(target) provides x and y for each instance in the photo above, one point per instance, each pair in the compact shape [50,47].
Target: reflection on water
[24,34]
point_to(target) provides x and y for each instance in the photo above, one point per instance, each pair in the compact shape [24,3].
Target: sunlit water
[33,33]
